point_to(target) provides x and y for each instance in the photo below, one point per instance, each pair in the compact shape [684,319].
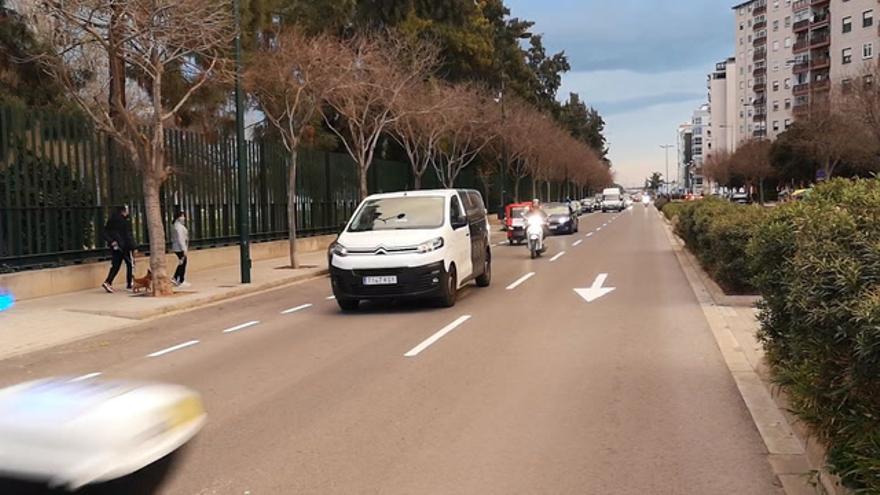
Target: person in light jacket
[180,246]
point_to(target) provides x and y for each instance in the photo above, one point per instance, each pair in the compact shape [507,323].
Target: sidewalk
[46,322]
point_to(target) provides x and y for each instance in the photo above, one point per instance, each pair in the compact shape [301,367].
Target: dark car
[560,218]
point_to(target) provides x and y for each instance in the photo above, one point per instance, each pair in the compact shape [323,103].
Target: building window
[846,55]
[775,25]
[776,106]
[775,46]
[788,42]
[847,24]
[787,123]
[868,18]
[787,103]
[788,21]
[787,83]
[868,50]
[775,85]
[869,79]
[775,126]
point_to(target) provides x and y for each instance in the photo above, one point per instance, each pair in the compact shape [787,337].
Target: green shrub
[817,266]
[661,202]
[671,209]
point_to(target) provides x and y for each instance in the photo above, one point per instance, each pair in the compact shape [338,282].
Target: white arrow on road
[596,291]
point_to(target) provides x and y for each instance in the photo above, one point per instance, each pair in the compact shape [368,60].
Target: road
[535,391]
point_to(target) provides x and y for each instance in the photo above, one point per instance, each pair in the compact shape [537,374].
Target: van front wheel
[450,288]
[486,277]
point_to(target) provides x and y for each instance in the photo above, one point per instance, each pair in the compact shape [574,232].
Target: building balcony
[819,3]
[759,87]
[759,9]
[759,133]
[760,55]
[801,67]
[801,26]
[819,86]
[822,62]
[800,46]
[759,24]
[820,20]
[819,41]
[759,102]
[800,5]
[801,110]
[760,40]
[800,89]
[759,71]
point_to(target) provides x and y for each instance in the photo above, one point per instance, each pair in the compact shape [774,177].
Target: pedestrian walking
[120,239]
[180,246]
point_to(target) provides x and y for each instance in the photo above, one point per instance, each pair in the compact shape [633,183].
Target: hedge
[817,265]
[718,233]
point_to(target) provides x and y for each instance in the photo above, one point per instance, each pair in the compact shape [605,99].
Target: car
[575,207]
[412,245]
[612,200]
[597,203]
[560,219]
[587,205]
[70,432]
[741,198]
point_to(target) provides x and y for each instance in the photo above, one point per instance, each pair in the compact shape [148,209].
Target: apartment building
[764,55]
[855,39]
[685,146]
[723,128]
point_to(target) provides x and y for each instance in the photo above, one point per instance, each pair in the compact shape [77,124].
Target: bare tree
[289,81]
[832,137]
[468,130]
[420,125]
[752,161]
[151,39]
[372,74]
[717,167]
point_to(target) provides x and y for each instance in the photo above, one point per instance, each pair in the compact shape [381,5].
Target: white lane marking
[173,348]
[520,280]
[85,377]
[298,308]
[241,327]
[590,234]
[415,351]
[577,243]
[330,298]
[598,229]
[560,255]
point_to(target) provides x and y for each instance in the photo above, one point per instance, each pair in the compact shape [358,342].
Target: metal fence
[60,178]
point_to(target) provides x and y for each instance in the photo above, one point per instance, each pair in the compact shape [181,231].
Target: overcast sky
[641,63]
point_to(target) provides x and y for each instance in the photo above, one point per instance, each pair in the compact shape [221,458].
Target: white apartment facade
[855,40]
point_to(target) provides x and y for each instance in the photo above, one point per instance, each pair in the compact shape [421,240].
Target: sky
[643,67]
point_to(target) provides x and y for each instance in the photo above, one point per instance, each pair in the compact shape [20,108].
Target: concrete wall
[40,283]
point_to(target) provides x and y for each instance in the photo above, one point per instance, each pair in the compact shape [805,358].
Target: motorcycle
[535,234]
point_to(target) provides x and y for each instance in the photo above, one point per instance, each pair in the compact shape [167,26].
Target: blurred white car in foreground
[68,433]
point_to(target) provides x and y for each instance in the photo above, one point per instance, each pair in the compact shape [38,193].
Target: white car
[68,433]
[612,200]
[406,245]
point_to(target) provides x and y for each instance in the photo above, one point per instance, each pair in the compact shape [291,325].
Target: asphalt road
[535,391]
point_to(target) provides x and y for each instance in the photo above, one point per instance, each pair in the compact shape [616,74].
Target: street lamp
[241,159]
[666,148]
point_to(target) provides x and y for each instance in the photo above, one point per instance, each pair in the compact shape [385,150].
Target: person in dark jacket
[120,239]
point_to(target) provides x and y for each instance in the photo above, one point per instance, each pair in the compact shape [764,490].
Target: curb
[245,290]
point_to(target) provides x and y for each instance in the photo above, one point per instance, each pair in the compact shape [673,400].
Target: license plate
[554,227]
[387,280]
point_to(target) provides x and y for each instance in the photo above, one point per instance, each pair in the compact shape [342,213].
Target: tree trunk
[291,209]
[156,232]
[417,181]
[761,190]
[363,189]
[516,190]
[548,190]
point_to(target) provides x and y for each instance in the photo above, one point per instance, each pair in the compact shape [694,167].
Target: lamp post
[241,159]
[666,148]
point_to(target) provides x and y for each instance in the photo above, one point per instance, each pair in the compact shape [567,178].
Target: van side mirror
[459,222]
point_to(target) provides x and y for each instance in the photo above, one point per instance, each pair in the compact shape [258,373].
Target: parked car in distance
[559,218]
[408,245]
[612,200]
[740,198]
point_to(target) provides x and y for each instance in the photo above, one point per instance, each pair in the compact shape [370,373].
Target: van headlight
[339,250]
[432,245]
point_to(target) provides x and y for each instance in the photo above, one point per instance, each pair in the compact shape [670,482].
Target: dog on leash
[143,283]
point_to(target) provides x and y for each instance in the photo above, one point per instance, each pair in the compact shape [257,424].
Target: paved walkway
[49,321]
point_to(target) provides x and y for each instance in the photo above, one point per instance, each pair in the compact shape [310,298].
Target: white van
[406,245]
[612,200]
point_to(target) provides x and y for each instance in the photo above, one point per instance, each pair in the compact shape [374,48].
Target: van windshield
[404,213]
[612,197]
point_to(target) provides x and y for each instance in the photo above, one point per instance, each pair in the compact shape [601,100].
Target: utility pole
[504,163]
[241,160]
[666,148]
